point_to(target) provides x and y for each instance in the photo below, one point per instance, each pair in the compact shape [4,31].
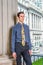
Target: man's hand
[30,52]
[14,55]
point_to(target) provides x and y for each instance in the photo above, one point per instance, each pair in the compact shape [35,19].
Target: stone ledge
[4,60]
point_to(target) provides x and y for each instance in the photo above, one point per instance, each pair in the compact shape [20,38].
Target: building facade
[33,18]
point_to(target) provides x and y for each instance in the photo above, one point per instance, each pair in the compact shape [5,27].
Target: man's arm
[30,45]
[13,40]
[13,43]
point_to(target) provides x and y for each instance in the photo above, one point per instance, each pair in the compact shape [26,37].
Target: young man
[21,44]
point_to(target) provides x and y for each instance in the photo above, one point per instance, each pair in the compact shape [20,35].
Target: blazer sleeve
[30,45]
[13,40]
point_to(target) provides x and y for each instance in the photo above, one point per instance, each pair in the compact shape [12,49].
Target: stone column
[8,10]
[1,27]
[30,20]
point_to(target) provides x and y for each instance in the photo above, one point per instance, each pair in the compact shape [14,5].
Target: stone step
[4,60]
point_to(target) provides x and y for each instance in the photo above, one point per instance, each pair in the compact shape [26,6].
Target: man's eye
[22,16]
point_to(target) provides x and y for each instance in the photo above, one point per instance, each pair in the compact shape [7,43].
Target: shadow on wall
[9,39]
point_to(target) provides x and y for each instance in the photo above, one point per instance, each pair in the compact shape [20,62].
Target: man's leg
[18,60]
[27,58]
[18,52]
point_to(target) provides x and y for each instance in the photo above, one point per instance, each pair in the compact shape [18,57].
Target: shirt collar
[21,23]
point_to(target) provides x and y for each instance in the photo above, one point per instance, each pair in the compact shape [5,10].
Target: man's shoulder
[15,25]
[26,25]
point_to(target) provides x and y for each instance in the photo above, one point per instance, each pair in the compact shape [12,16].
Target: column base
[4,60]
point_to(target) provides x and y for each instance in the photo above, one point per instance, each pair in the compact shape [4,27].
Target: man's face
[21,17]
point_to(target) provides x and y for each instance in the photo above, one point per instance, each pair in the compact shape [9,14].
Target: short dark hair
[20,13]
